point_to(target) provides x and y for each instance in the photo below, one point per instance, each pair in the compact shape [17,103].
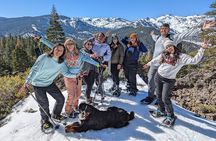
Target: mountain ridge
[76,25]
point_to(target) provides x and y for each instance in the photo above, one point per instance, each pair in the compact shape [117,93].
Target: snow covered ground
[24,126]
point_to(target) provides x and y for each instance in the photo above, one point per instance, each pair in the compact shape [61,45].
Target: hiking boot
[112,88]
[89,100]
[99,90]
[59,118]
[157,113]
[76,110]
[156,103]
[133,93]
[128,89]
[146,101]
[116,92]
[74,114]
[46,126]
[169,120]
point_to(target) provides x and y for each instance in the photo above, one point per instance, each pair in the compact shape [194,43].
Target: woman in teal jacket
[46,68]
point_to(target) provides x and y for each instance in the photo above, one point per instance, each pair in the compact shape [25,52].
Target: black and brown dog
[94,119]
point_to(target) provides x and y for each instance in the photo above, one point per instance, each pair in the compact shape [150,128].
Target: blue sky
[128,9]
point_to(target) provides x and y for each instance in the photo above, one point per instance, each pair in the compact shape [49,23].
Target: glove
[129,54]
[98,65]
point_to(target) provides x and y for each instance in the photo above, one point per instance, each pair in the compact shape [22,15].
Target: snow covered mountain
[177,23]
[111,23]
[23,126]
[81,28]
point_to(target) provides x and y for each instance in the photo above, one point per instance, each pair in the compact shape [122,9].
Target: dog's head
[72,127]
[85,111]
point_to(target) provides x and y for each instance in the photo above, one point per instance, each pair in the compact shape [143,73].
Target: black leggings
[130,74]
[42,99]
[89,80]
[115,73]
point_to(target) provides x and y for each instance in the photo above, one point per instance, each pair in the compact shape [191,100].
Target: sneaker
[157,113]
[146,101]
[59,118]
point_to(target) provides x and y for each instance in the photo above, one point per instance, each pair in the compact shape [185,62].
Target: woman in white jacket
[170,61]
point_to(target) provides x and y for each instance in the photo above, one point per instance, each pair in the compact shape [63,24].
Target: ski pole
[53,122]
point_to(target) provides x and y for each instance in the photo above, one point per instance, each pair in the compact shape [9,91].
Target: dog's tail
[131,115]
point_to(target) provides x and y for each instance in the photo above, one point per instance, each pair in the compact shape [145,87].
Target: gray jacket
[117,54]
[176,38]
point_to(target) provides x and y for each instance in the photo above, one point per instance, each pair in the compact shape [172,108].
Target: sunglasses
[89,44]
[70,44]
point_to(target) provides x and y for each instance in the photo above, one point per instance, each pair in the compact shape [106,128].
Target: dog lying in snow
[94,119]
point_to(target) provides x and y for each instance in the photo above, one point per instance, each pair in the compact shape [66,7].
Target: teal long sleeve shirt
[45,70]
[83,57]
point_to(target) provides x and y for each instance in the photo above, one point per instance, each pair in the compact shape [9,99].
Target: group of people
[77,65]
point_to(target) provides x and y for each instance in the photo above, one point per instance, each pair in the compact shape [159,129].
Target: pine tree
[213,12]
[2,64]
[7,52]
[20,59]
[55,32]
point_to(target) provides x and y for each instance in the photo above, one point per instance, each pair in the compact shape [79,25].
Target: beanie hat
[86,41]
[133,35]
[168,42]
[114,36]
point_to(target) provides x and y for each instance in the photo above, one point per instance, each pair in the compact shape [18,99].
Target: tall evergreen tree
[15,52]
[2,64]
[7,53]
[20,59]
[213,12]
[55,31]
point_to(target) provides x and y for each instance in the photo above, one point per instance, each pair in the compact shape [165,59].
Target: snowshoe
[47,127]
[157,113]
[89,100]
[156,103]
[60,119]
[146,101]
[169,121]
[133,93]
[117,92]
[100,91]
[128,89]
[74,114]
[112,88]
